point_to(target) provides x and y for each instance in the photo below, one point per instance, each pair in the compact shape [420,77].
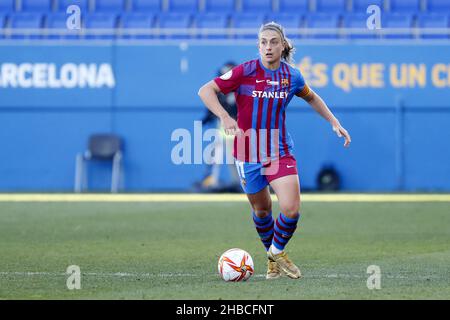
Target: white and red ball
[235,265]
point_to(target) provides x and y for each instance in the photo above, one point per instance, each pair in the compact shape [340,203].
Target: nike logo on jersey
[288,166]
[269,82]
[264,94]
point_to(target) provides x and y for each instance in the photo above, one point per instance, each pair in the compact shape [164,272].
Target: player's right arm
[315,101]
[208,94]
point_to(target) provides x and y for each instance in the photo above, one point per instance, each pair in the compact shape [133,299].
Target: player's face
[270,46]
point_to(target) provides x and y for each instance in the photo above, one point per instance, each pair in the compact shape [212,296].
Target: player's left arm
[315,101]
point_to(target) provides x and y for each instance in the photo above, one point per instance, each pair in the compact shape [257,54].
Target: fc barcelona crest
[284,82]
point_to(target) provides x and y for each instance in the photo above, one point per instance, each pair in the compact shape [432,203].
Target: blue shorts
[256,176]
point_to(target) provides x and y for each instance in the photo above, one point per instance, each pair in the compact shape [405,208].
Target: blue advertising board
[394,100]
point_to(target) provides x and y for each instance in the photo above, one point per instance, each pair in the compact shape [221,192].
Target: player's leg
[256,187]
[285,183]
[287,189]
[261,204]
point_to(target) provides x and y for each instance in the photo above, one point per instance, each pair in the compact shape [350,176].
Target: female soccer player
[263,88]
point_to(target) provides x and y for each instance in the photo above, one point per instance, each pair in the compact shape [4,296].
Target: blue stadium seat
[288,21]
[331,6]
[100,21]
[137,21]
[111,6]
[293,6]
[26,21]
[183,6]
[257,6]
[358,21]
[433,21]
[360,6]
[40,6]
[7,6]
[220,6]
[59,21]
[56,20]
[441,6]
[174,21]
[150,6]
[2,24]
[396,20]
[247,21]
[64,4]
[208,21]
[323,21]
[404,6]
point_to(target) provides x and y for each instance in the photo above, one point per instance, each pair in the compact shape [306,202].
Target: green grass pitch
[170,250]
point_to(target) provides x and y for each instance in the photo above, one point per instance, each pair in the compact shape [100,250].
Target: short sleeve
[302,89]
[231,80]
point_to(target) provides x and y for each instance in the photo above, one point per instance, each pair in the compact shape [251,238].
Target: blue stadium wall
[394,100]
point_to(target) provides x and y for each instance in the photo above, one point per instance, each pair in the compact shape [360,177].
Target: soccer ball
[235,265]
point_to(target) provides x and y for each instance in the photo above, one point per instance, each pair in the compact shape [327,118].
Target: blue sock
[283,230]
[264,227]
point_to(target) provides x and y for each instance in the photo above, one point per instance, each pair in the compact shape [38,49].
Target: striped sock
[264,227]
[283,230]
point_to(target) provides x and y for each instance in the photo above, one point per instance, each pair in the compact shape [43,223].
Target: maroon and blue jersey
[262,96]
